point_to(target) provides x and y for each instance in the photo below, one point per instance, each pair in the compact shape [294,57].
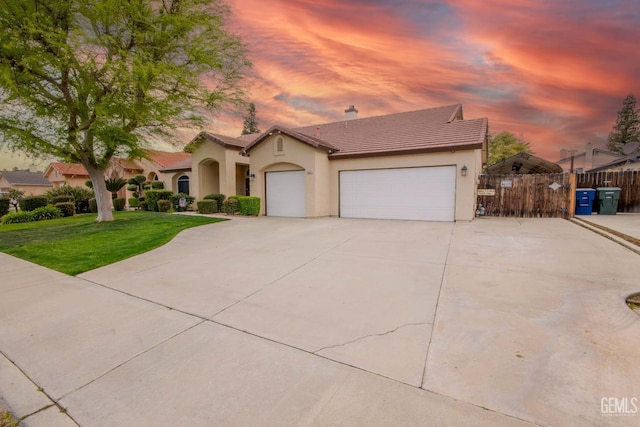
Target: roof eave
[436,149]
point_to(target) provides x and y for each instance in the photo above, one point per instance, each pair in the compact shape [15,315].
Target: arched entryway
[209,173]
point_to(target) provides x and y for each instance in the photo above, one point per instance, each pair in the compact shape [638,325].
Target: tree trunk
[103,197]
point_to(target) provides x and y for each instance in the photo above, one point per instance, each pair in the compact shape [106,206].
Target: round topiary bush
[67,208]
[164,205]
[231,206]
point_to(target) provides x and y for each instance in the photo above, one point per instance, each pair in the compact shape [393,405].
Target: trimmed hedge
[248,205]
[164,205]
[152,197]
[157,185]
[208,206]
[134,202]
[4,206]
[17,217]
[118,204]
[231,206]
[219,198]
[67,208]
[33,202]
[38,214]
[143,206]
[93,205]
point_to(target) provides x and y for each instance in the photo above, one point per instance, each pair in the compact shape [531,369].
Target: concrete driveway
[267,321]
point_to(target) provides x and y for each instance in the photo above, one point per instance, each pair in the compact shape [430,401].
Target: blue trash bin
[584,200]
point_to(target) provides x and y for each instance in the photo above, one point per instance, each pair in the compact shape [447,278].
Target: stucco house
[218,166]
[418,165]
[583,161]
[32,183]
[169,167]
[71,174]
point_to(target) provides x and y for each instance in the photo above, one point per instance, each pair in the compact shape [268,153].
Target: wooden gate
[551,195]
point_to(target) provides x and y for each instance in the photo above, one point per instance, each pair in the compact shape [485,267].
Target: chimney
[588,156]
[351,113]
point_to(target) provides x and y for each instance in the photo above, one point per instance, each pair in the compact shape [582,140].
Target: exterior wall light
[252,176]
[464,170]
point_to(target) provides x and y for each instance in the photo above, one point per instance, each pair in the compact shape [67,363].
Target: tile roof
[69,169]
[433,129]
[129,164]
[182,165]
[166,158]
[524,163]
[229,141]
[25,177]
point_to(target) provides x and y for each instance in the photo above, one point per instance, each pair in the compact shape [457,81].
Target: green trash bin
[608,200]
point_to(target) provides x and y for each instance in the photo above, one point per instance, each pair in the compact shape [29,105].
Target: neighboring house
[172,168]
[419,165]
[71,174]
[624,163]
[32,183]
[586,160]
[523,163]
[218,166]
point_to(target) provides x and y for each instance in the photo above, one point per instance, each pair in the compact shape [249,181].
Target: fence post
[573,185]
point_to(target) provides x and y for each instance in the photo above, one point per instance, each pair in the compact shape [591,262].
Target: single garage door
[426,193]
[285,194]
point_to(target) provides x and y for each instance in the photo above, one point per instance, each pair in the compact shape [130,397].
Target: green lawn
[77,244]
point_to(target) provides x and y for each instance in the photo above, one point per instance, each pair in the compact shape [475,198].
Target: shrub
[231,206]
[33,202]
[134,202]
[17,217]
[164,205]
[219,198]
[175,201]
[67,208]
[132,187]
[62,199]
[207,206]
[80,196]
[248,205]
[4,206]
[143,206]
[93,205]
[118,204]
[157,185]
[46,212]
[153,196]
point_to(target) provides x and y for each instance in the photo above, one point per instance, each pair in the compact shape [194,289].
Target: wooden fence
[550,195]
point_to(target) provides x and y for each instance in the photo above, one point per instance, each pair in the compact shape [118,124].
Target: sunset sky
[552,72]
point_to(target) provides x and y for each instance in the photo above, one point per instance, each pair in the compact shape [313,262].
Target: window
[280,144]
[183,184]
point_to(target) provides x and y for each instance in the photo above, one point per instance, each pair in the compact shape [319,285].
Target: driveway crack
[369,336]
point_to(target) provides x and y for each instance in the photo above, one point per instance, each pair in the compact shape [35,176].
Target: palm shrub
[115,184]
[80,196]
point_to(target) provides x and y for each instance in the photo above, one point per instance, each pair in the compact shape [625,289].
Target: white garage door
[285,193]
[427,194]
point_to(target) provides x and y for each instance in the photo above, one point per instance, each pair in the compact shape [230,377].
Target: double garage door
[424,193]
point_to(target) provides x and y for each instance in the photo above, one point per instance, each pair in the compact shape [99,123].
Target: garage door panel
[285,193]
[426,193]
